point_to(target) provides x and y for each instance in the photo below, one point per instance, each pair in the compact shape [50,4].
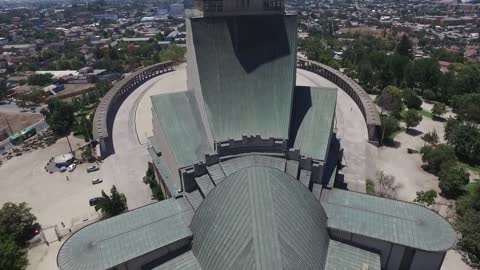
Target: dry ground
[18,121]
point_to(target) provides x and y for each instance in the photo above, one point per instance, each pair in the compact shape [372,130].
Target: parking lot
[53,198]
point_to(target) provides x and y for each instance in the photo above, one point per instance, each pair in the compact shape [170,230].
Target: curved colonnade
[109,104]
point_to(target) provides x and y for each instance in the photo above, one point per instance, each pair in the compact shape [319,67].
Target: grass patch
[421,112]
[471,187]
[473,168]
[425,113]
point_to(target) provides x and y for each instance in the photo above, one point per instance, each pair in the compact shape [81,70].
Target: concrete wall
[193,81]
[391,255]
[427,260]
[157,256]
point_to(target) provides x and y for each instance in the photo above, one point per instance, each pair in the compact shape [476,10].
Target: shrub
[429,95]
[390,125]
[438,157]
[452,181]
[412,118]
[411,100]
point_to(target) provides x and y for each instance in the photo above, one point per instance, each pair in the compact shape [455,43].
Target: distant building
[177,10]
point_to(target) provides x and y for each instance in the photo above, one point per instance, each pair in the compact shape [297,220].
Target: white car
[72,167]
[96,181]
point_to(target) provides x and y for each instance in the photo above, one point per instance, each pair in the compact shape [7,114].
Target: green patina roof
[345,257]
[180,120]
[313,136]
[394,221]
[110,242]
[246,66]
[260,218]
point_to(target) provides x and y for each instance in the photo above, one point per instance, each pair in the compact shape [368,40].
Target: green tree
[150,180]
[404,47]
[431,137]
[412,118]
[60,117]
[390,100]
[439,109]
[452,180]
[465,139]
[172,53]
[112,205]
[437,157]
[411,100]
[425,74]
[469,225]
[429,95]
[17,221]
[12,256]
[386,185]
[390,125]
[40,79]
[426,198]
[467,107]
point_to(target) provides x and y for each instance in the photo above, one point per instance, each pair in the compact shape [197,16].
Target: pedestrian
[68,179]
[63,225]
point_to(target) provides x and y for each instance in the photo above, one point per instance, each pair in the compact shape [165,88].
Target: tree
[390,100]
[17,221]
[390,125]
[12,256]
[411,100]
[431,137]
[452,180]
[150,180]
[60,117]
[439,109]
[112,205]
[465,139]
[404,47]
[426,198]
[469,225]
[40,79]
[426,74]
[386,185]
[437,157]
[429,95]
[172,53]
[467,107]
[412,118]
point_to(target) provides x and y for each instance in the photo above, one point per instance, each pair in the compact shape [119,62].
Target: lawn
[421,112]
[473,168]
[470,187]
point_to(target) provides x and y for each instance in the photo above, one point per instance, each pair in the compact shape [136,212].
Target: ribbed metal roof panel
[260,218]
[180,120]
[116,240]
[246,68]
[394,221]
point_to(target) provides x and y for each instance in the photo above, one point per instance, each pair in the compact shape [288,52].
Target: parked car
[94,201]
[96,181]
[92,168]
[71,167]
